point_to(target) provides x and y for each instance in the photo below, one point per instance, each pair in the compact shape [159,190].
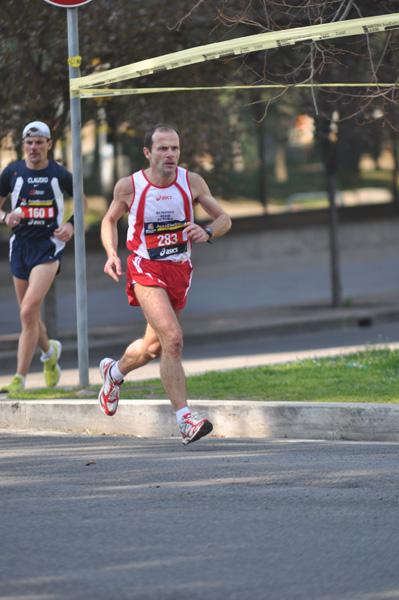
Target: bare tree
[33,55]
[371,59]
[33,62]
[34,72]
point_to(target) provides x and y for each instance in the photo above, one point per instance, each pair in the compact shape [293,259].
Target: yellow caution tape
[239,46]
[106,92]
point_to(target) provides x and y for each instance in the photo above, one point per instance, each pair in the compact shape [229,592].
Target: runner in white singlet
[159,201]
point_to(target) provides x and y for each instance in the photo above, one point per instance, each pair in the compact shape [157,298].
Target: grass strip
[368,376]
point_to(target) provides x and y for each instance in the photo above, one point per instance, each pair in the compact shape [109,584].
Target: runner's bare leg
[164,326]
[30,295]
[141,351]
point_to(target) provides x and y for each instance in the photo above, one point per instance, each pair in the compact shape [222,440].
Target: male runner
[159,201]
[38,239]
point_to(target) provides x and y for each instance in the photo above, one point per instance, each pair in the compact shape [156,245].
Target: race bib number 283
[164,240]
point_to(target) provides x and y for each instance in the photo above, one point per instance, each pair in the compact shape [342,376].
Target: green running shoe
[51,368]
[15,387]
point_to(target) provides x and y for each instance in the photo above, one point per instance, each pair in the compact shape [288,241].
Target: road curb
[231,419]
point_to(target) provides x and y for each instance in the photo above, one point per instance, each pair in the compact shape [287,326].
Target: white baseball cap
[36,129]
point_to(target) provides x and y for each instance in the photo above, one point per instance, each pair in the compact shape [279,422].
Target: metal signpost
[76,132]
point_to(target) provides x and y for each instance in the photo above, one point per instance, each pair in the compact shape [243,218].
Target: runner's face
[36,149]
[165,152]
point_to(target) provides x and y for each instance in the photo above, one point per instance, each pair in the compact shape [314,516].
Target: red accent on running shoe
[104,399]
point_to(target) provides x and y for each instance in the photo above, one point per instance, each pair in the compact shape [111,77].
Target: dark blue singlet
[39,193]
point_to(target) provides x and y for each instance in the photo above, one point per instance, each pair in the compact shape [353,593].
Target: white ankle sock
[115,373]
[181,413]
[48,354]
[22,377]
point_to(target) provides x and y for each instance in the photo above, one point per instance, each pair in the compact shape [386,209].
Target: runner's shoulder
[124,187]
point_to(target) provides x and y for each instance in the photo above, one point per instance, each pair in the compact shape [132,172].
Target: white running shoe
[194,427]
[109,393]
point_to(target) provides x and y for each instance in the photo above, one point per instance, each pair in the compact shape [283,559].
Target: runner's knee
[173,343]
[29,314]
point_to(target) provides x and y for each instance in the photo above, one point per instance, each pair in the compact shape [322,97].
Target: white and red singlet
[157,217]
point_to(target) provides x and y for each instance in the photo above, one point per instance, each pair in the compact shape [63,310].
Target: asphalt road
[219,288]
[253,344]
[100,517]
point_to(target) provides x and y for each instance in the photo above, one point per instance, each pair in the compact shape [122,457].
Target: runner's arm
[221,221]
[65,232]
[123,195]
[11,219]
[3,213]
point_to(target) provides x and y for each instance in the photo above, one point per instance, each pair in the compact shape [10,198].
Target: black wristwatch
[210,233]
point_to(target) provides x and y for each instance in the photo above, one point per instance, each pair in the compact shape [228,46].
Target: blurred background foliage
[257,145]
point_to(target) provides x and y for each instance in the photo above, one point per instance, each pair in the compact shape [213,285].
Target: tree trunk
[263,186]
[329,150]
[260,130]
[113,139]
[334,242]
[395,174]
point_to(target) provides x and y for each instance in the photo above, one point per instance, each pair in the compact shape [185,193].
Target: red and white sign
[68,3]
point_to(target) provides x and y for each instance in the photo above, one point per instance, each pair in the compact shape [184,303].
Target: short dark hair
[150,132]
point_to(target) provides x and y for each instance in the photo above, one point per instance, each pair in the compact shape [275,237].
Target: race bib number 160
[38,212]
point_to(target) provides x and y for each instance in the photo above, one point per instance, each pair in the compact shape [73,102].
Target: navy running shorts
[26,253]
